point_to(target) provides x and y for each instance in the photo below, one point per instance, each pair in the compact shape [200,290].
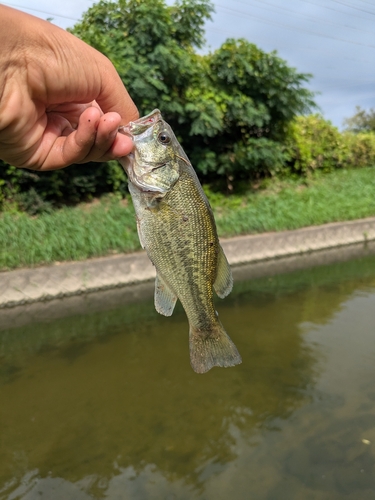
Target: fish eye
[164,138]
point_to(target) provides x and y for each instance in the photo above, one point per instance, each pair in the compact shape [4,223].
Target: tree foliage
[151,45]
[229,108]
[361,121]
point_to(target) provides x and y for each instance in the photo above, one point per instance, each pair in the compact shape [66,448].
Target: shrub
[360,149]
[314,143]
[34,191]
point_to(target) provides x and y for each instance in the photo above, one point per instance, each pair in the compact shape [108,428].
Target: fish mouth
[124,129]
[138,176]
[139,126]
[127,163]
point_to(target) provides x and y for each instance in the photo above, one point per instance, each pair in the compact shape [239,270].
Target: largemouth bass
[176,227]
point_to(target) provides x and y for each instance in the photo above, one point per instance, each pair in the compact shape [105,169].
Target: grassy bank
[337,196]
[108,226]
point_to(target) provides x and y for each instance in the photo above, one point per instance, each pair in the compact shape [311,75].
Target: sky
[334,40]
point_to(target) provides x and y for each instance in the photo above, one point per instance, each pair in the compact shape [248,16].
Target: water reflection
[105,405]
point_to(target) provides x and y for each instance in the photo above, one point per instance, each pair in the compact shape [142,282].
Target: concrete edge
[112,298]
[46,283]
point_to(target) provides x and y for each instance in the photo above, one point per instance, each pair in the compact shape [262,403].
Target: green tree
[243,110]
[151,45]
[361,121]
[229,108]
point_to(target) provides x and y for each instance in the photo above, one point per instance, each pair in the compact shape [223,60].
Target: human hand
[61,101]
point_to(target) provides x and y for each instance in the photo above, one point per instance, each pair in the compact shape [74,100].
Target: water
[102,403]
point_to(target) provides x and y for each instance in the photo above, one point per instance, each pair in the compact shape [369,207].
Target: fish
[177,229]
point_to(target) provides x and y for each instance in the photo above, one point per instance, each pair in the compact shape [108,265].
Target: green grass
[108,226]
[338,196]
[85,231]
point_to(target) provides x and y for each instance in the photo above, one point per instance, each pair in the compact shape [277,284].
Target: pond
[101,402]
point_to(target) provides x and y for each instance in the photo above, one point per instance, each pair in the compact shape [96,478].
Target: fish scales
[184,247]
[176,227]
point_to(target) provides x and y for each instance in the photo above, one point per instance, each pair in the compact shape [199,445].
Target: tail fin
[213,348]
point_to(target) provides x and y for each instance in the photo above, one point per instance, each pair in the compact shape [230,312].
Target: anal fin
[165,299]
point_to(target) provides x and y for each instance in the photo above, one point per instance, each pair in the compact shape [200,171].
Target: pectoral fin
[165,299]
[139,231]
[224,281]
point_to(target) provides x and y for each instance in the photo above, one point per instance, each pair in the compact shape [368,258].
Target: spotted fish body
[177,228]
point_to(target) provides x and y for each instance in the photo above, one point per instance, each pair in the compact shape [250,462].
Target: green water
[103,404]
